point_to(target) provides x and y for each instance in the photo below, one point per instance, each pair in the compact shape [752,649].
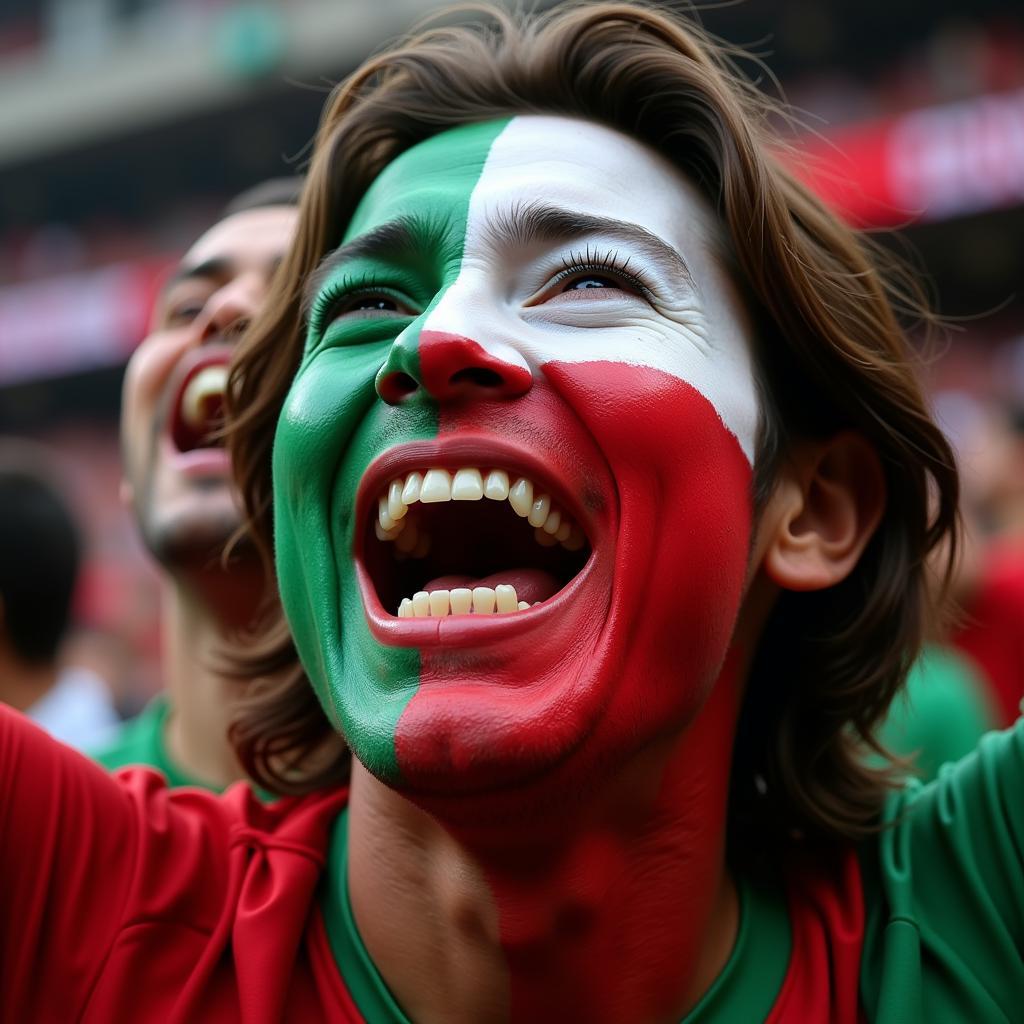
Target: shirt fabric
[941,713]
[205,908]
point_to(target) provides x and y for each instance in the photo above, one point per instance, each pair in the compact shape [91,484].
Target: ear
[825,508]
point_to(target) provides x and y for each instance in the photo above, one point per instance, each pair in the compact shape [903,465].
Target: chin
[196,539]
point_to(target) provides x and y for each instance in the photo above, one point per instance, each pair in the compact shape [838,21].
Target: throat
[625,913]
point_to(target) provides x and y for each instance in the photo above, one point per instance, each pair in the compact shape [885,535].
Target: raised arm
[945,891]
[67,849]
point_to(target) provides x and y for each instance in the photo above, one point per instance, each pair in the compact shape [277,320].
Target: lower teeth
[462,601]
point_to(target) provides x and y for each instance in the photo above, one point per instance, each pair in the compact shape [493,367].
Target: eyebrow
[215,268]
[520,226]
[526,224]
[398,236]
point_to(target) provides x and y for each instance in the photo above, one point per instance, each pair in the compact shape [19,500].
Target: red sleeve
[68,843]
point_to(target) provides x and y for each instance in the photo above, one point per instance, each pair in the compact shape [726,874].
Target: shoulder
[941,714]
[150,872]
[944,889]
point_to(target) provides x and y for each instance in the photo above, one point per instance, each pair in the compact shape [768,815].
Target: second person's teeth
[209,382]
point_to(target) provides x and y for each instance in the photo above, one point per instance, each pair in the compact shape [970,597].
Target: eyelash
[573,264]
[334,295]
[609,262]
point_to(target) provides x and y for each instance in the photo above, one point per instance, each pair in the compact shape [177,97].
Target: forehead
[251,237]
[566,162]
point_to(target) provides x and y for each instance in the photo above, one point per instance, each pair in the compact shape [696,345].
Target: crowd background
[126,124]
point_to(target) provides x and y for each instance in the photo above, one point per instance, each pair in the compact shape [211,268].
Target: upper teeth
[209,382]
[551,524]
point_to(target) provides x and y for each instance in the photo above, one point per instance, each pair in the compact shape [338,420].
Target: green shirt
[140,740]
[943,894]
[941,714]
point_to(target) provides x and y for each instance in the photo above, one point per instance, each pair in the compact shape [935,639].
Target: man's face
[525,370]
[177,478]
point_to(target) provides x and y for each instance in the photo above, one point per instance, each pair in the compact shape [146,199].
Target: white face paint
[582,168]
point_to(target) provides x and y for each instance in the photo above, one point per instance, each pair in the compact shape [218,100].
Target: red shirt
[126,901]
[123,900]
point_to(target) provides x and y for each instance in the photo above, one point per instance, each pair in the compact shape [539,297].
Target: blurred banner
[927,165]
[75,322]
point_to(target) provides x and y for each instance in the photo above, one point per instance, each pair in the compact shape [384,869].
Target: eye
[593,276]
[367,304]
[594,282]
[183,312]
[362,302]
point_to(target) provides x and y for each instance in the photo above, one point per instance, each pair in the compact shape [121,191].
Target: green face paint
[333,424]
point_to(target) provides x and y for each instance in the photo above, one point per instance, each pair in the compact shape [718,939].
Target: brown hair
[831,355]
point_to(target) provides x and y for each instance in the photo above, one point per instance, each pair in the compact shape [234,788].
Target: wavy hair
[832,312]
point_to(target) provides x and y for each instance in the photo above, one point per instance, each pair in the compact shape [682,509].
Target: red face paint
[628,666]
[633,651]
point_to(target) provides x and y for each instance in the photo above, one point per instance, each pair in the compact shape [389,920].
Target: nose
[449,367]
[228,310]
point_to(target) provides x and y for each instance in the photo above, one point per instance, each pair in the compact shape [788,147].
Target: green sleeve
[941,714]
[944,894]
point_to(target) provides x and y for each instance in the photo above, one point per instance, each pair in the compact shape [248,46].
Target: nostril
[478,376]
[395,386]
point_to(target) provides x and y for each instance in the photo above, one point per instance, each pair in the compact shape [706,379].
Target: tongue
[531,584]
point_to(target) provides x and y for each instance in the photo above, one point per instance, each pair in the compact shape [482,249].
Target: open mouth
[469,540]
[199,410]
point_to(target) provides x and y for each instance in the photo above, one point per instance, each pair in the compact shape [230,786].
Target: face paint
[519,292]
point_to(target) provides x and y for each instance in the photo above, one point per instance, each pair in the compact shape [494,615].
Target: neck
[619,910]
[202,620]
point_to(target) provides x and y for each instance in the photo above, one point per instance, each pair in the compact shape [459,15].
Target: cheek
[153,363]
[685,512]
